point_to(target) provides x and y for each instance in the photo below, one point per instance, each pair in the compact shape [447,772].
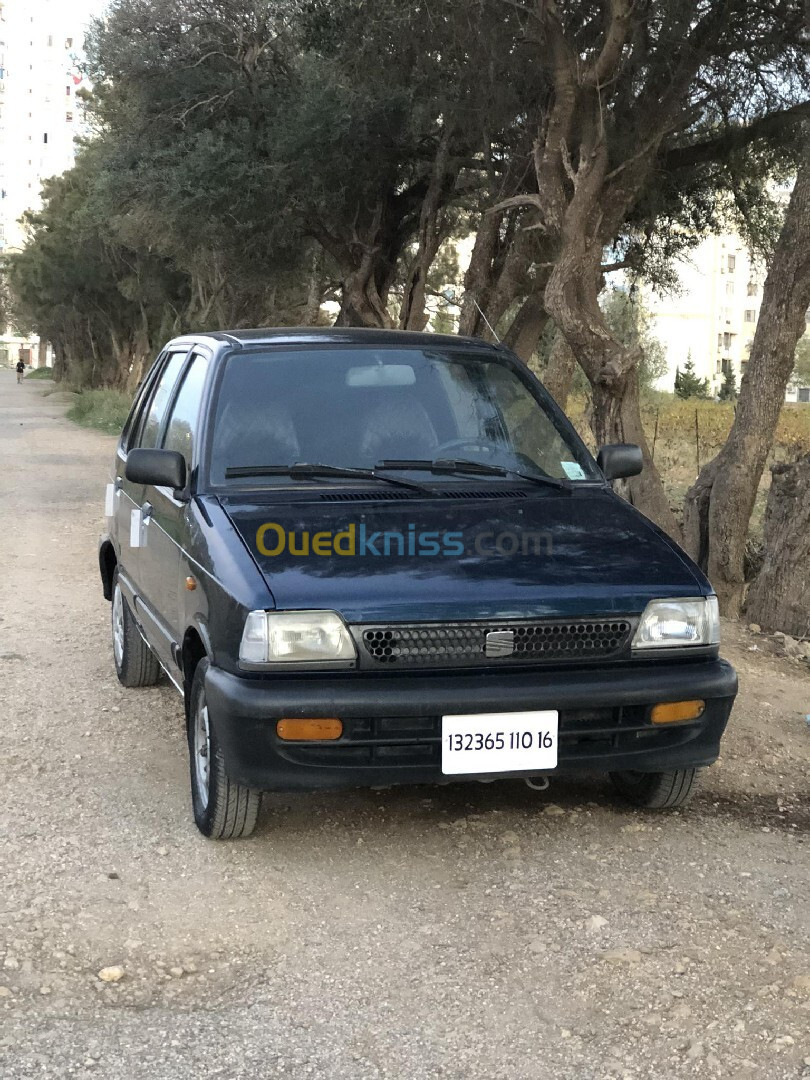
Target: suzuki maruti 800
[370,558]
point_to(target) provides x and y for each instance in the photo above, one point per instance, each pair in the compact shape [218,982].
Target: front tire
[223,809]
[658,790]
[135,663]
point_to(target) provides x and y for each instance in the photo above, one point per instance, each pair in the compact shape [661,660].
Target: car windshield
[385,408]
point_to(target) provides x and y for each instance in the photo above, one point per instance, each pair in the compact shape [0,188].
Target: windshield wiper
[304,471]
[461,466]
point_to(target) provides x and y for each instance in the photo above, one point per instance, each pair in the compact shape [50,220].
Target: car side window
[135,419]
[181,430]
[159,402]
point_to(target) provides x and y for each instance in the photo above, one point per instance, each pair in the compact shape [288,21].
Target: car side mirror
[158,468]
[620,460]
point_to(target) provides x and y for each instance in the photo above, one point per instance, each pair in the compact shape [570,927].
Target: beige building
[39,119]
[713,317]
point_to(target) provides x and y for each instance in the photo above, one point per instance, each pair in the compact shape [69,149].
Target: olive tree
[637,88]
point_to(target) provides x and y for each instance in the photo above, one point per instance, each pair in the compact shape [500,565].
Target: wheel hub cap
[118,626]
[202,751]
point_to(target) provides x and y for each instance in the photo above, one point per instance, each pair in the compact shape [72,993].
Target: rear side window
[181,431]
[135,419]
[159,403]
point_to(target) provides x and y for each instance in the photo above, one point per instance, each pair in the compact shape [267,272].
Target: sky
[88,9]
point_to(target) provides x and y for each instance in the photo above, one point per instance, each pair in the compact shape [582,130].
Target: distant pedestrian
[20,370]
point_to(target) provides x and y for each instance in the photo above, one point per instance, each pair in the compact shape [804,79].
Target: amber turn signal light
[674,711]
[309,730]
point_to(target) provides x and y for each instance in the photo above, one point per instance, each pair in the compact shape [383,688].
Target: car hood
[546,553]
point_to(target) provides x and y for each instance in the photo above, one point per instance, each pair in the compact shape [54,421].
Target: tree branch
[735,138]
[514,201]
[606,64]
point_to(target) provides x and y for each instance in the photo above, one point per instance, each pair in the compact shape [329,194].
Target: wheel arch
[195,647]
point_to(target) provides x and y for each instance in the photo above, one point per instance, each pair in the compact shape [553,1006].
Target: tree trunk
[572,298]
[478,277]
[361,304]
[527,327]
[413,315]
[559,373]
[314,288]
[718,507]
[779,599]
[367,260]
[59,360]
[589,177]
[513,277]
[133,379]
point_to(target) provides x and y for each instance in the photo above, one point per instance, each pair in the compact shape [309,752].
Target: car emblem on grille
[500,643]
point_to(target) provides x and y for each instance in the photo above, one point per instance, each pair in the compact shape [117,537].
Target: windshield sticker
[573,470]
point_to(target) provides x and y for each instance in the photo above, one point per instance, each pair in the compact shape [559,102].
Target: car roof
[331,335]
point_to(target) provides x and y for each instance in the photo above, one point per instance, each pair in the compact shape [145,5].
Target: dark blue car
[369,558]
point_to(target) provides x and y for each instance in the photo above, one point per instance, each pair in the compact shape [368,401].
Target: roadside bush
[40,373]
[105,410]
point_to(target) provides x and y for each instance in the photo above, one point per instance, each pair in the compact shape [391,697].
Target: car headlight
[295,637]
[668,623]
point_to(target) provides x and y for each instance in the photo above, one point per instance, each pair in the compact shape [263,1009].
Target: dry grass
[687,434]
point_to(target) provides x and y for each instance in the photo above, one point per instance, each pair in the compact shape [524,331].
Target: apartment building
[712,318]
[39,119]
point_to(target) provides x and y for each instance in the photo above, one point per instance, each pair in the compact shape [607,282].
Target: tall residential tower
[39,118]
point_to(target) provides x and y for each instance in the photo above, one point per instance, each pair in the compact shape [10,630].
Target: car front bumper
[392,724]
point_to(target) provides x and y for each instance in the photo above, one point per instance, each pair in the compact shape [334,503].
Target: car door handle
[146,510]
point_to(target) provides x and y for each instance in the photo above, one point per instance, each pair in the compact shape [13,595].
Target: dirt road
[470,932]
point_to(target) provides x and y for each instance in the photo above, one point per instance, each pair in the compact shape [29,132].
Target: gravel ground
[472,931]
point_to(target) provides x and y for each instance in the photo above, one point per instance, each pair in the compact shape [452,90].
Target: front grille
[465,643]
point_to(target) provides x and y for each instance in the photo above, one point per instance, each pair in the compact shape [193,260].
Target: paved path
[412,934]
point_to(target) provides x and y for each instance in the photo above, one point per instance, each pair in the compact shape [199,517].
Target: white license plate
[499,742]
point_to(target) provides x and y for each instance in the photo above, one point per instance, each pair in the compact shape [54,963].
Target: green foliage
[728,389]
[687,383]
[629,320]
[445,271]
[40,373]
[245,129]
[6,300]
[238,144]
[79,284]
[105,410]
[542,352]
[443,322]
